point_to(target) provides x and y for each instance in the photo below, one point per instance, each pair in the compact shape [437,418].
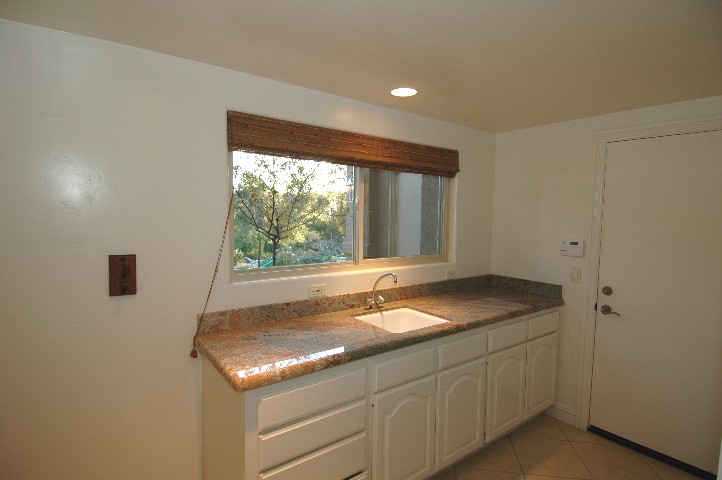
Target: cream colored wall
[543,192]
[108,149]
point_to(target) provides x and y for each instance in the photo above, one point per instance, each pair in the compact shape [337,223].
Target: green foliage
[279,210]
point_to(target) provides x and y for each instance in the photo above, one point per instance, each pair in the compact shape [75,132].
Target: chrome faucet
[376,301]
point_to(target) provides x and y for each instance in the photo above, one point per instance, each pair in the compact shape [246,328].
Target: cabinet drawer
[543,324]
[504,337]
[287,406]
[462,350]
[308,435]
[335,462]
[403,369]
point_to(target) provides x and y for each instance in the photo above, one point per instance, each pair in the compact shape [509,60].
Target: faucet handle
[375,304]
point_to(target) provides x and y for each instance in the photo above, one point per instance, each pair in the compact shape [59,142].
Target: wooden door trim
[604,139]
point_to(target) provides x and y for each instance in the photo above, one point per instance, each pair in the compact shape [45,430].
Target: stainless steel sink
[400,320]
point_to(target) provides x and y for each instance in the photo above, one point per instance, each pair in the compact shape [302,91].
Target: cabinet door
[541,374]
[404,431]
[461,403]
[505,391]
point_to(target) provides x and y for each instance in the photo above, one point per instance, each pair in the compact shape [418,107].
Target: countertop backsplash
[253,316]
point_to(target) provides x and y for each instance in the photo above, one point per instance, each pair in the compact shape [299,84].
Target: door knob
[607,290]
[607,310]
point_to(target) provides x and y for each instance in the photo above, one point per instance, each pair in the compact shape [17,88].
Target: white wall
[108,149]
[543,192]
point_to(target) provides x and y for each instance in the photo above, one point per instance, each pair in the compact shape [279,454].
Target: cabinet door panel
[404,431]
[461,405]
[541,374]
[505,390]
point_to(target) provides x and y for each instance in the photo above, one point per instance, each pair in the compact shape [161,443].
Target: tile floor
[548,449]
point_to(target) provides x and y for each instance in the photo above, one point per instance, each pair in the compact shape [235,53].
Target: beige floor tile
[614,462]
[544,477]
[667,472]
[576,435]
[553,458]
[475,474]
[542,426]
[498,456]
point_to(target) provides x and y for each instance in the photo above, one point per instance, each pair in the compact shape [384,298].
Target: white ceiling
[497,65]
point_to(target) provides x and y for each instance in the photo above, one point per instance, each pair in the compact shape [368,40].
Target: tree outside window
[289,211]
[292,212]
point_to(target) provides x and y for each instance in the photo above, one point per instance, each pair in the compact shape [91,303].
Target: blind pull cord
[194,352]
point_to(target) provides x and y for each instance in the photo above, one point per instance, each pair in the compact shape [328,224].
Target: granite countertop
[258,346]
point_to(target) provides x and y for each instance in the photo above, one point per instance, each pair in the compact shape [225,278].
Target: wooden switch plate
[121,275]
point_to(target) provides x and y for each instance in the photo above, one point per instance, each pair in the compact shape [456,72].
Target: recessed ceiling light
[403,92]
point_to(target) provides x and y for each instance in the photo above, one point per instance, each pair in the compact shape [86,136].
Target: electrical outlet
[317,290]
[450,274]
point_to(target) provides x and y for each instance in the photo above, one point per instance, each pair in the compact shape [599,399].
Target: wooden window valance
[271,136]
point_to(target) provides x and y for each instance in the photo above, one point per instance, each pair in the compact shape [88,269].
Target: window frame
[406,153]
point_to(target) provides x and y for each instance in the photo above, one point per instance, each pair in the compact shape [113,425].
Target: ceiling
[497,65]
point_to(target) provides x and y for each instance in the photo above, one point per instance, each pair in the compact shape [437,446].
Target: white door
[657,369]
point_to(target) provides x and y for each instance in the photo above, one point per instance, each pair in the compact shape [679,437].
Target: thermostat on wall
[572,248]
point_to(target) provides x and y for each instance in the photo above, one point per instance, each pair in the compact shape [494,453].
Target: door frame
[603,139]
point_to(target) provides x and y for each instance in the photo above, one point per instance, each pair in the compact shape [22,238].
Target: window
[290,211]
[299,210]
[403,214]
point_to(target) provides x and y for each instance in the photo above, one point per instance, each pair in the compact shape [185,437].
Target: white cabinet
[402,368]
[416,412]
[427,424]
[309,428]
[335,462]
[303,432]
[541,373]
[461,409]
[457,351]
[404,424]
[506,380]
[282,444]
[541,357]
[286,405]
[521,372]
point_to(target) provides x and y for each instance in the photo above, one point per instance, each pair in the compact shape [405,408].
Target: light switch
[575,275]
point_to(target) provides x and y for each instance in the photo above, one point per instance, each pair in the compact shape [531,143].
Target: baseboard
[564,413]
[698,472]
